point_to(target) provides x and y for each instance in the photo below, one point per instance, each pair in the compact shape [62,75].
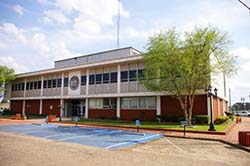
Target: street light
[209,91]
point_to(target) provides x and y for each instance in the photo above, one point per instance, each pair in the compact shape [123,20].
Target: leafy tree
[181,64]
[6,75]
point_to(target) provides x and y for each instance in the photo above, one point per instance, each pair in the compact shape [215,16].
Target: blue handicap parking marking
[99,137]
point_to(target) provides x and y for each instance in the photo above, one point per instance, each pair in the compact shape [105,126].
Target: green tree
[181,64]
[6,75]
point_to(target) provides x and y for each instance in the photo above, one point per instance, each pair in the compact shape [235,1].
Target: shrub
[221,119]
[7,112]
[170,118]
[201,119]
[232,117]
[228,113]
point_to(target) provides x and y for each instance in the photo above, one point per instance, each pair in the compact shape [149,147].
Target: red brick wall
[171,106]
[32,107]
[55,103]
[221,107]
[16,106]
[129,114]
[101,113]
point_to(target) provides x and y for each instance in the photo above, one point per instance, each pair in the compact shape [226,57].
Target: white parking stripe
[122,143]
[177,147]
[49,136]
[83,136]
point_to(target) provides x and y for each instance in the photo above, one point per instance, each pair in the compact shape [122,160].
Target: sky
[35,33]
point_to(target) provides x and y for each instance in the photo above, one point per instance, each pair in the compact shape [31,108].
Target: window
[20,86]
[66,82]
[113,102]
[142,102]
[151,102]
[54,83]
[125,103]
[98,78]
[91,79]
[13,87]
[27,86]
[45,84]
[16,87]
[132,75]
[83,80]
[31,85]
[106,78]
[99,103]
[49,83]
[91,103]
[124,76]
[106,103]
[133,102]
[39,84]
[59,82]
[113,77]
[35,85]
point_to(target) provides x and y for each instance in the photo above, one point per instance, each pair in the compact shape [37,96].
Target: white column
[62,84]
[118,107]
[41,107]
[81,107]
[208,106]
[158,101]
[118,78]
[87,84]
[24,106]
[61,107]
[25,87]
[86,108]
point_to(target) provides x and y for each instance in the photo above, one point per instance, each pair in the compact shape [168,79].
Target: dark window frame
[113,77]
[124,76]
[91,79]
[132,75]
[83,80]
[59,83]
[106,78]
[54,83]
[66,82]
[49,84]
[98,78]
[45,84]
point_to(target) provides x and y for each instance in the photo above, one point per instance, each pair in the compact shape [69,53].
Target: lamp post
[209,91]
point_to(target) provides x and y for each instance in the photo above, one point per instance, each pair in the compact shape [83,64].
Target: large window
[132,75]
[35,85]
[91,79]
[124,76]
[31,85]
[49,83]
[83,80]
[138,103]
[45,84]
[102,103]
[54,83]
[27,86]
[106,78]
[39,84]
[66,82]
[113,77]
[59,82]
[98,78]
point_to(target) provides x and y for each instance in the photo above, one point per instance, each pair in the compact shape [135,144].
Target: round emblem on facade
[74,82]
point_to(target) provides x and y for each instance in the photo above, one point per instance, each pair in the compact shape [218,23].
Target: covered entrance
[74,107]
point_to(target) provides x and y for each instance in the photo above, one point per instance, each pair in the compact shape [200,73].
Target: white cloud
[13,32]
[243,53]
[10,62]
[55,16]
[18,9]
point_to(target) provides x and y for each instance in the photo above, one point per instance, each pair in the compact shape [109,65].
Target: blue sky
[35,33]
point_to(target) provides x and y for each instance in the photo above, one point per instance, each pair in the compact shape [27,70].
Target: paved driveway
[27,150]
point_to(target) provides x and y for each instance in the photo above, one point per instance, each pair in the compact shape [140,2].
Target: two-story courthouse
[101,85]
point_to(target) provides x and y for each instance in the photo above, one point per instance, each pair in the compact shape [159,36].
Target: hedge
[221,119]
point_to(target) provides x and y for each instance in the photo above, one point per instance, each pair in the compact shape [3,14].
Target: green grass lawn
[156,125]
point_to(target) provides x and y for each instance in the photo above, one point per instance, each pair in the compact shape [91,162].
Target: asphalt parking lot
[28,150]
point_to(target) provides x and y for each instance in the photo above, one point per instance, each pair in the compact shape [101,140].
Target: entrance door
[73,108]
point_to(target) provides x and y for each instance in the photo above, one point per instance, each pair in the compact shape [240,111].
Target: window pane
[31,85]
[142,102]
[133,103]
[106,103]
[49,83]
[125,103]
[113,102]
[13,87]
[19,86]
[22,86]
[27,86]
[124,76]
[106,78]
[39,83]
[132,75]
[98,78]
[99,103]
[59,82]
[92,103]
[151,102]
[83,80]
[66,82]
[114,77]
[91,79]
[35,85]
[54,83]
[16,87]
[45,84]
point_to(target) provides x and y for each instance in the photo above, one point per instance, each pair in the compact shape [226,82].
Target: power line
[244,5]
